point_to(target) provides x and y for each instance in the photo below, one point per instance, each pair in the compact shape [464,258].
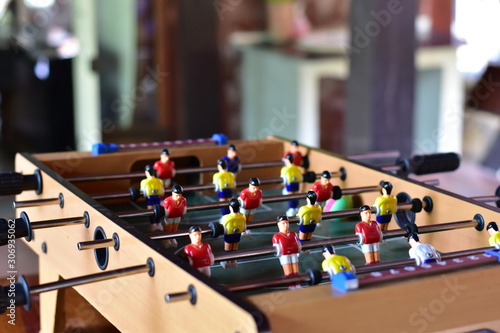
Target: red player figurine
[232,159]
[323,188]
[369,234]
[175,207]
[165,167]
[199,254]
[250,198]
[287,246]
[295,152]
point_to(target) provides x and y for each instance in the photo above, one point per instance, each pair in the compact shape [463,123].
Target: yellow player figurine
[225,183]
[342,272]
[309,216]
[386,206]
[234,225]
[494,239]
[152,190]
[292,177]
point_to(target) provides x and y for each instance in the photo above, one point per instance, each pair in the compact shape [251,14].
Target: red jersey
[297,158]
[323,192]
[174,209]
[371,232]
[289,244]
[164,170]
[200,256]
[251,200]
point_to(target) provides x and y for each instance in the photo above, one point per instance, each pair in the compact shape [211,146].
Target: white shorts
[368,248]
[289,259]
[248,211]
[174,220]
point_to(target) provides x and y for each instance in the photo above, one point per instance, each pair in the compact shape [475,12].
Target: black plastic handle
[13,295]
[426,164]
[12,183]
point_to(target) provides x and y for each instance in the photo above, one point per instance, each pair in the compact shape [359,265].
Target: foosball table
[85,218]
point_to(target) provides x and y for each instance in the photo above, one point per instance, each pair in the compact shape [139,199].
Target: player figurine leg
[309,216]
[369,234]
[175,207]
[386,205]
[224,182]
[199,254]
[234,224]
[342,272]
[292,177]
[287,247]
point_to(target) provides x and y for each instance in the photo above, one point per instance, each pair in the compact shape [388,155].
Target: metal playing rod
[325,276]
[266,223]
[240,254]
[95,244]
[39,202]
[133,193]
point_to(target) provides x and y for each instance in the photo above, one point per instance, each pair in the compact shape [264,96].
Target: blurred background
[344,75]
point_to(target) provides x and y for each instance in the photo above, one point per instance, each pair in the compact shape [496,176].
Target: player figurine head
[177,191]
[311,197]
[328,251]
[492,228]
[149,171]
[288,159]
[385,187]
[165,155]
[234,205]
[221,165]
[253,184]
[283,224]
[232,151]
[365,212]
[195,235]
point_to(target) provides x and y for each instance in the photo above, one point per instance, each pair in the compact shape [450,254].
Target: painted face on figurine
[294,149]
[324,181]
[164,158]
[176,196]
[231,153]
[252,188]
[195,238]
[366,215]
[284,226]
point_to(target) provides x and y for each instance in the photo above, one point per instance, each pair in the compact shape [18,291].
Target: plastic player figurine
[323,188]
[494,239]
[369,234]
[225,183]
[152,190]
[287,247]
[342,272]
[292,177]
[386,205]
[309,216]
[422,253]
[234,225]
[250,199]
[165,167]
[295,152]
[232,159]
[175,207]
[199,254]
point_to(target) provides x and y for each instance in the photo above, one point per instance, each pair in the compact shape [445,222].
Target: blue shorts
[232,238]
[305,228]
[292,187]
[153,200]
[225,193]
[428,261]
[384,218]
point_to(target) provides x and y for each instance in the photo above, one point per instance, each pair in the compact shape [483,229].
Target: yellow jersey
[152,186]
[309,214]
[224,180]
[291,174]
[234,223]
